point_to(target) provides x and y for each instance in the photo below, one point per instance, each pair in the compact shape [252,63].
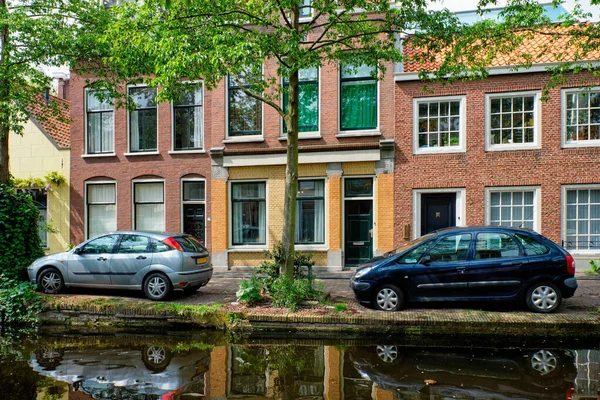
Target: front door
[358,221]
[438,211]
[193,220]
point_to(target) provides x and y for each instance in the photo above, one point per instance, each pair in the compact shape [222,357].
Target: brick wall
[548,167]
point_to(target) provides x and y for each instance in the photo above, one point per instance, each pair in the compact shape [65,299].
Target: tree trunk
[291,171]
[4,100]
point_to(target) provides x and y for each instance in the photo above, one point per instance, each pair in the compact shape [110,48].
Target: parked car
[469,264]
[156,263]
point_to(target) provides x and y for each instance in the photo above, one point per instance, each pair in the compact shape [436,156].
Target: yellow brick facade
[35,155]
[274,176]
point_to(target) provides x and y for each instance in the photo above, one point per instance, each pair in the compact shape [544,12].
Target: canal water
[178,365]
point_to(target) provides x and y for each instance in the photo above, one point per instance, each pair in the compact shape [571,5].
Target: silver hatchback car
[154,262]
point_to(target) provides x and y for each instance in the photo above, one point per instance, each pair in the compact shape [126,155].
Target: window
[439,125]
[581,117]
[142,120]
[532,246]
[306,10]
[413,256]
[188,120]
[249,213]
[512,121]
[245,112]
[516,207]
[358,98]
[582,219]
[149,201]
[101,245]
[101,208]
[451,248]
[495,245]
[100,124]
[134,244]
[308,100]
[310,212]
[40,199]
[194,208]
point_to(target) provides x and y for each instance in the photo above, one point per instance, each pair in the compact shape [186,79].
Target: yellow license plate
[201,260]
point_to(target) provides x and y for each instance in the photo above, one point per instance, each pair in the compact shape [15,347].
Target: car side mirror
[425,260]
[77,250]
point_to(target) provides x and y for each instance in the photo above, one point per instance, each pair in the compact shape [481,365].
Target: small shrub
[250,291]
[594,268]
[19,303]
[291,294]
[340,307]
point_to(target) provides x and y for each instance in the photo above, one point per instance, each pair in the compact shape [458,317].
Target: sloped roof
[55,125]
[551,44]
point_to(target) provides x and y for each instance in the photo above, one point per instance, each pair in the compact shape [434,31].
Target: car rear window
[190,244]
[532,246]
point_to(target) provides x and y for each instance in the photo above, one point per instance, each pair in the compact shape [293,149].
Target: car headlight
[362,272]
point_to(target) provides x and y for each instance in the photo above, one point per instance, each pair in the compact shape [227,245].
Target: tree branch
[257,96]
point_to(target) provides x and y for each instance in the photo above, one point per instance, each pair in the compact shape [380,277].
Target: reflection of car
[468,373]
[154,262]
[125,373]
[470,264]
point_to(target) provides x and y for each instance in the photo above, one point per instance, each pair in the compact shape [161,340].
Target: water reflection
[146,368]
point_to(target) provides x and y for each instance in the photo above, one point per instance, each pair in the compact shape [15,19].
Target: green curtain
[308,107]
[359,105]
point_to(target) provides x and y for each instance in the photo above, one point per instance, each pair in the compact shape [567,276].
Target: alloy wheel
[156,355]
[544,297]
[157,286]
[387,299]
[388,354]
[544,362]
[51,281]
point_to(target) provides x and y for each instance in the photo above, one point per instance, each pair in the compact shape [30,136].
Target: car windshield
[408,245]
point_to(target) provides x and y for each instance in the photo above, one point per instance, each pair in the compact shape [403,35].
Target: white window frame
[537,201]
[85,121]
[183,202]
[189,151]
[355,133]
[537,121]
[563,112]
[461,207]
[563,219]
[151,180]
[244,138]
[245,247]
[85,200]
[142,153]
[304,135]
[321,246]
[462,135]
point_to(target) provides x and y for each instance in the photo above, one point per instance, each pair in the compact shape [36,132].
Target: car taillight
[570,393]
[570,264]
[172,243]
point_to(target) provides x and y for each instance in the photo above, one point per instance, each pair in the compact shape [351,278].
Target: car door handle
[140,258]
[461,270]
[513,263]
[101,259]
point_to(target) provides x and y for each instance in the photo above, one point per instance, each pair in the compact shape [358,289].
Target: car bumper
[362,290]
[182,280]
[569,287]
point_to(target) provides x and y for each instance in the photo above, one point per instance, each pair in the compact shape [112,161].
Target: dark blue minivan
[466,264]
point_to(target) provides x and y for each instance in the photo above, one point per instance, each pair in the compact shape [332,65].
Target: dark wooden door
[194,220]
[358,232]
[438,211]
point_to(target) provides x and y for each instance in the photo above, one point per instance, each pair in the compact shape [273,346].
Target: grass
[340,307]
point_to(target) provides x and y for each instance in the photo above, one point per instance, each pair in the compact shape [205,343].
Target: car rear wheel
[389,298]
[543,297]
[51,281]
[157,287]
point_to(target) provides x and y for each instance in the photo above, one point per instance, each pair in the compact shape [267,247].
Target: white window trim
[151,180]
[142,153]
[85,136]
[304,135]
[182,202]
[244,138]
[537,118]
[356,133]
[85,202]
[563,218]
[190,151]
[563,124]
[372,197]
[246,247]
[325,245]
[537,201]
[461,207]
[462,135]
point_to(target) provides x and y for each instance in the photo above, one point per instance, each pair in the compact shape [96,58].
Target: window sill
[246,249]
[245,139]
[99,155]
[345,134]
[175,152]
[448,150]
[303,135]
[581,145]
[142,153]
[510,147]
[311,247]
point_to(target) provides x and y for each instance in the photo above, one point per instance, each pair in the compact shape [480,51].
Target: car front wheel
[157,287]
[543,297]
[50,281]
[389,298]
